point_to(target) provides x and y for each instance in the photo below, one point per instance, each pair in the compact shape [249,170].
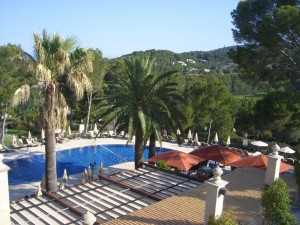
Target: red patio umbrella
[258,161]
[177,159]
[217,153]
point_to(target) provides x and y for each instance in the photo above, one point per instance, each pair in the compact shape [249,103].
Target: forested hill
[195,62]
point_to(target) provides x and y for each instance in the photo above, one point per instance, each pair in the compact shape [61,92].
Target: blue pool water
[74,160]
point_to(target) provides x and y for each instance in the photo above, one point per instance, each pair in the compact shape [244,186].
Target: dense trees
[270,36]
[210,100]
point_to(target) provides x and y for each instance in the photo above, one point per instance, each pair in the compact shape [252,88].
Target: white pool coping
[19,191]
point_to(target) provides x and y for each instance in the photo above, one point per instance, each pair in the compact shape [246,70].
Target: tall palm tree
[137,98]
[59,65]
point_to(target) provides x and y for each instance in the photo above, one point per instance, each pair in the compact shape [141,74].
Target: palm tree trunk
[139,147]
[50,167]
[88,112]
[208,137]
[3,128]
[152,147]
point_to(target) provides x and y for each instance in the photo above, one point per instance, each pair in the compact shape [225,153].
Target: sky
[119,27]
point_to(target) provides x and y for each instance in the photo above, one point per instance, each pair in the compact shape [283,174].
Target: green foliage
[195,62]
[269,31]
[211,99]
[141,102]
[297,175]
[276,202]
[225,219]
[163,165]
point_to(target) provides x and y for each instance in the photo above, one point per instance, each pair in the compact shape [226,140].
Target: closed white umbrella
[69,130]
[178,131]
[189,136]
[86,175]
[100,168]
[14,140]
[65,176]
[228,140]
[29,135]
[61,185]
[196,138]
[95,129]
[39,191]
[90,177]
[287,150]
[83,178]
[216,139]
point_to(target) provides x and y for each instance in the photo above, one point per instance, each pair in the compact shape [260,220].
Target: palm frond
[75,85]
[43,74]
[21,95]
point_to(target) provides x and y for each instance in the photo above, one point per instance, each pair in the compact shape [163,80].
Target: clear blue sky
[120,27]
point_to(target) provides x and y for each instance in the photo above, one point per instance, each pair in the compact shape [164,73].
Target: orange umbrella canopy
[258,161]
[217,153]
[177,159]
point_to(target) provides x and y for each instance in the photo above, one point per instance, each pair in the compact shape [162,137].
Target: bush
[163,165]
[276,201]
[225,219]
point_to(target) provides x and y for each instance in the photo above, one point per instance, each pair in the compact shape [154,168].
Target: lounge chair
[111,133]
[30,143]
[20,143]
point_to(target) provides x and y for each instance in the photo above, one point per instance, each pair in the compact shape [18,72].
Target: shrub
[163,165]
[276,202]
[225,219]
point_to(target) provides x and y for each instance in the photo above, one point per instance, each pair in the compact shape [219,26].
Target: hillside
[194,62]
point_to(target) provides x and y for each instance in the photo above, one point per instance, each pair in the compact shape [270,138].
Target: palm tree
[59,65]
[138,99]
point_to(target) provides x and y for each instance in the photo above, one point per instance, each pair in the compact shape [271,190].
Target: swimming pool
[74,160]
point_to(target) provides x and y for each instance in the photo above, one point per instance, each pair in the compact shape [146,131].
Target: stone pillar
[215,195]
[273,167]
[4,196]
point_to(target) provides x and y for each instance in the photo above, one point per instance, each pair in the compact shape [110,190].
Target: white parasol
[178,131]
[259,143]
[228,140]
[196,138]
[216,139]
[189,136]
[29,135]
[69,130]
[100,168]
[65,176]
[14,140]
[83,178]
[39,191]
[95,129]
[287,150]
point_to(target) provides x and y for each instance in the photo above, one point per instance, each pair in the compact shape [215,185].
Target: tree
[96,77]
[212,104]
[276,202]
[136,96]
[269,32]
[11,77]
[59,65]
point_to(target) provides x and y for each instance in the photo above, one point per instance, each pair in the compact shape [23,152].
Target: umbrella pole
[208,137]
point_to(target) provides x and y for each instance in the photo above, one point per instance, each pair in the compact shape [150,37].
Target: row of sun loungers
[18,143]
